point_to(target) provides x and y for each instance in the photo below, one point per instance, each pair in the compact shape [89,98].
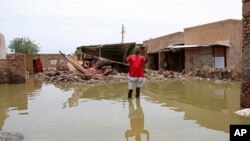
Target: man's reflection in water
[136,117]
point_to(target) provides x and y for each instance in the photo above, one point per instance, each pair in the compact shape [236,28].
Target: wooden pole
[123,32]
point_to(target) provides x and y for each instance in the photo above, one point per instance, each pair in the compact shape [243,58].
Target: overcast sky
[66,24]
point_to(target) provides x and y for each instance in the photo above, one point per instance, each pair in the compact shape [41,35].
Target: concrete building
[2,47]
[214,45]
[157,56]
[245,85]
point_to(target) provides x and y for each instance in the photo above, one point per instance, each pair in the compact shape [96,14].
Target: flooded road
[174,110]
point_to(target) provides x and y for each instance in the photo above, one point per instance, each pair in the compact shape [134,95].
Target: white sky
[66,24]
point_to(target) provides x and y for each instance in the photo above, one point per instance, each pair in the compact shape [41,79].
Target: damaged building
[47,61]
[158,57]
[12,66]
[54,61]
[213,45]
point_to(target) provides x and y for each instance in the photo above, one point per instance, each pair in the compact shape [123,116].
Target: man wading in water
[136,71]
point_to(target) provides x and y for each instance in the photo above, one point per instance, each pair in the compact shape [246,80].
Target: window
[53,61]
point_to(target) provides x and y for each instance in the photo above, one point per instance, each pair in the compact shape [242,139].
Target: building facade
[213,45]
[216,45]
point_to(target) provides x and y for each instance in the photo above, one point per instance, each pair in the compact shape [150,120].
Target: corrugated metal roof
[173,47]
[113,52]
[176,47]
[186,46]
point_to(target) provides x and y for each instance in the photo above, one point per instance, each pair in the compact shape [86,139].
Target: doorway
[219,56]
[175,60]
[153,61]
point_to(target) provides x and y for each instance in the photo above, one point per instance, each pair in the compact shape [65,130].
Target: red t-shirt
[136,65]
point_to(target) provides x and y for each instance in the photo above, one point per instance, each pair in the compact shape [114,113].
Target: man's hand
[146,54]
[125,55]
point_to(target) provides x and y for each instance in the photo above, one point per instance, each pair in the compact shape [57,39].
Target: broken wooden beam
[75,63]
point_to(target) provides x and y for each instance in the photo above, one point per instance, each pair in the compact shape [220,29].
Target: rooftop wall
[227,33]
[156,44]
[212,33]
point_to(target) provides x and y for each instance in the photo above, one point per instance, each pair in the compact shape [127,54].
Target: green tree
[24,45]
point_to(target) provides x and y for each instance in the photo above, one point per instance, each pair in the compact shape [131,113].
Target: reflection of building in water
[136,117]
[16,96]
[211,105]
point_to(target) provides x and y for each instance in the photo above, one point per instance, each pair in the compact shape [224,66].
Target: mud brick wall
[4,71]
[13,69]
[245,85]
[29,63]
[47,61]
[17,67]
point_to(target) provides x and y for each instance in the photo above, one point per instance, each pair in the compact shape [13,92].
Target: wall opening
[175,60]
[153,61]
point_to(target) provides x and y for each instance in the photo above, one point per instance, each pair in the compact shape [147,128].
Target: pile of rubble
[11,136]
[211,73]
[108,70]
[75,76]
[111,75]
[215,73]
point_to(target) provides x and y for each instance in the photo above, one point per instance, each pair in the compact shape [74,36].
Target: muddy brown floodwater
[174,110]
